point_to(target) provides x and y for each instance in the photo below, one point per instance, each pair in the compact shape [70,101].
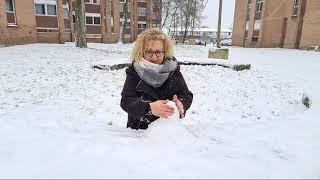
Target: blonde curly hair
[151,34]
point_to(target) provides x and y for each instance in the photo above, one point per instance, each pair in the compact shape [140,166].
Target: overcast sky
[212,10]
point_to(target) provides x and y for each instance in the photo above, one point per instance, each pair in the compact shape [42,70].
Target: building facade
[52,21]
[280,23]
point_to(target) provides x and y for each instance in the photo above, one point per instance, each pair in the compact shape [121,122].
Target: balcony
[256,33]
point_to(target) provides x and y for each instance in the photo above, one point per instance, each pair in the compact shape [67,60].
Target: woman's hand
[161,109]
[179,106]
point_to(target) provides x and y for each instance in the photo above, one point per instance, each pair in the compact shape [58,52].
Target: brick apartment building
[277,23]
[51,21]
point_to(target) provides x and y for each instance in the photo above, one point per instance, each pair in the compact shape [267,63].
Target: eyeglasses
[150,53]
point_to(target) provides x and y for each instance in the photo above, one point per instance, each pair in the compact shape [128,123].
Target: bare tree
[124,22]
[187,16]
[196,13]
[80,24]
[182,14]
[158,10]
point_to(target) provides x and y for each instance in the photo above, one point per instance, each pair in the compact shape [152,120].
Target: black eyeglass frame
[150,53]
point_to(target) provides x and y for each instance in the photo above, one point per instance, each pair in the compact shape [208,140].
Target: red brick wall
[27,23]
[25,31]
[92,8]
[311,26]
[273,24]
[93,29]
[275,12]
[239,22]
[52,37]
[47,21]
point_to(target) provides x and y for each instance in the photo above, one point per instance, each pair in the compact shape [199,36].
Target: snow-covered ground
[60,118]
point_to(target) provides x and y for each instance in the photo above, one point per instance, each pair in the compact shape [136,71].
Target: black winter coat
[136,96]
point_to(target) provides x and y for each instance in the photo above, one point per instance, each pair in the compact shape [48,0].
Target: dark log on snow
[237,67]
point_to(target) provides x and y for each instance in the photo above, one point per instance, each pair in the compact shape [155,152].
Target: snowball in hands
[169,129]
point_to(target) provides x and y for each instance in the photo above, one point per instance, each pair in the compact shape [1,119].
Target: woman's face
[154,51]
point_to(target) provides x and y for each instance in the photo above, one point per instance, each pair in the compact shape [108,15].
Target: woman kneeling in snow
[152,80]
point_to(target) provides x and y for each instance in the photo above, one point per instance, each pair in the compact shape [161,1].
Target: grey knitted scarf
[154,74]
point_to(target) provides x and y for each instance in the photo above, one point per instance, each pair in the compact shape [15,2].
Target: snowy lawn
[60,118]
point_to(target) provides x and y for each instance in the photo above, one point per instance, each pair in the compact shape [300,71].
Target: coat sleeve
[184,94]
[130,98]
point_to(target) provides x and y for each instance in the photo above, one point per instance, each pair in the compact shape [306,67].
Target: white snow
[60,118]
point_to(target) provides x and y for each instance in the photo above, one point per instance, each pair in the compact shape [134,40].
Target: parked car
[200,43]
[226,42]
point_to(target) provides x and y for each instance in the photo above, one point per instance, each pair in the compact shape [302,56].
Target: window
[89,20]
[47,29]
[11,15]
[122,7]
[10,5]
[257,24]
[40,9]
[142,11]
[92,1]
[96,20]
[66,12]
[142,25]
[259,5]
[46,9]
[93,20]
[51,10]
[295,8]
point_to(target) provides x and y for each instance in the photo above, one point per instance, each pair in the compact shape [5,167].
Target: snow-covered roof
[211,30]
[207,30]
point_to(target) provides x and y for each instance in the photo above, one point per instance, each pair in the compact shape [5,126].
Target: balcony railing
[256,33]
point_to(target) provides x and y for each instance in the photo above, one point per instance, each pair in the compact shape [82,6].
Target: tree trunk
[72,30]
[122,38]
[61,26]
[159,9]
[81,31]
[103,20]
[3,24]
[187,20]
